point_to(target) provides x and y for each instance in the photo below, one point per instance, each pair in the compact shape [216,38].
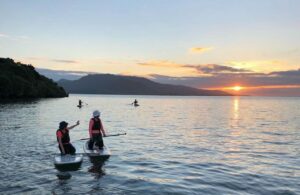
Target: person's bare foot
[97,149]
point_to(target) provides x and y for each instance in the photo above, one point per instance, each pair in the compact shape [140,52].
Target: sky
[211,44]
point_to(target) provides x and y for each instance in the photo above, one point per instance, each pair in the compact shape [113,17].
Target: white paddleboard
[104,153]
[68,161]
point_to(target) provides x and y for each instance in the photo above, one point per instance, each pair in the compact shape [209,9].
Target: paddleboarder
[96,131]
[79,104]
[63,138]
[135,103]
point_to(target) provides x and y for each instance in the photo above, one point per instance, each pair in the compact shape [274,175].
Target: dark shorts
[97,140]
[69,149]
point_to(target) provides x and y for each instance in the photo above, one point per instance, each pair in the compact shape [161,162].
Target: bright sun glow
[237,88]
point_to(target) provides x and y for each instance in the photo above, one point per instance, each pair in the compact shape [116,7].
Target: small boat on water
[97,154]
[68,162]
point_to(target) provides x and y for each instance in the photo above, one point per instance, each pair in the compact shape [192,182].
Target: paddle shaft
[115,134]
[107,136]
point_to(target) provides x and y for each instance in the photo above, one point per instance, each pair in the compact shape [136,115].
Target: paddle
[107,136]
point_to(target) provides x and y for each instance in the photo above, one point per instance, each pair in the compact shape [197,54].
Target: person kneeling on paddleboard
[63,138]
[96,131]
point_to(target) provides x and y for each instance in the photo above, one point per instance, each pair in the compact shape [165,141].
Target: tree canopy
[19,80]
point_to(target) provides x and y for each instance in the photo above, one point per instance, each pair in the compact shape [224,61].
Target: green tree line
[19,80]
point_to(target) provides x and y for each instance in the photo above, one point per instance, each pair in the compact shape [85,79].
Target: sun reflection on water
[235,111]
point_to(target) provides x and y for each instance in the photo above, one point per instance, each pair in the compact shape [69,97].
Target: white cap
[96,113]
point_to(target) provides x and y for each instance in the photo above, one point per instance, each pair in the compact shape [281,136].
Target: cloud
[216,69]
[3,35]
[64,61]
[195,70]
[275,80]
[52,60]
[200,49]
[289,73]
[259,65]
[160,63]
[13,38]
[34,58]
[255,62]
[201,69]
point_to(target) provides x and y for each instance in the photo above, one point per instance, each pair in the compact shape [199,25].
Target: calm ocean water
[174,145]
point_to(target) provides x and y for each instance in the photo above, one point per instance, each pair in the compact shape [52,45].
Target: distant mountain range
[130,85]
[57,75]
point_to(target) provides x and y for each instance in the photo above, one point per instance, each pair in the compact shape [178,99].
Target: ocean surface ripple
[174,145]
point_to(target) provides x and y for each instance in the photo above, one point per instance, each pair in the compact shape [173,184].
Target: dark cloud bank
[221,76]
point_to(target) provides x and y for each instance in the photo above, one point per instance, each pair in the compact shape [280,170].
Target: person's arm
[90,127]
[61,145]
[102,129]
[69,128]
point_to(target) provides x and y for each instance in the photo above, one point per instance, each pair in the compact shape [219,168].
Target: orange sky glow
[243,90]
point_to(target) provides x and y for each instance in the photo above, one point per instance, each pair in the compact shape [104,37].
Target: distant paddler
[135,103]
[79,104]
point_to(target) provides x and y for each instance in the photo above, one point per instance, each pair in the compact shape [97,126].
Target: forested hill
[22,81]
[129,85]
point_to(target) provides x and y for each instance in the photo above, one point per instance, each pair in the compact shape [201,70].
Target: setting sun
[237,88]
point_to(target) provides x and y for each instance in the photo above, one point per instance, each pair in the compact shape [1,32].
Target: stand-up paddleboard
[97,154]
[68,162]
